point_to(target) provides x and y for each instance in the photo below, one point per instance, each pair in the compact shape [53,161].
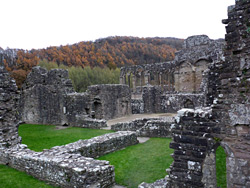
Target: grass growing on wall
[39,137]
[145,162]
[221,171]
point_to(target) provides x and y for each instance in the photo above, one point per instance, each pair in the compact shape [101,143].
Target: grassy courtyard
[142,162]
[145,162]
[39,137]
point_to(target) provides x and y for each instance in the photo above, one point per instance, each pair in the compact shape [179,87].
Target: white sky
[41,23]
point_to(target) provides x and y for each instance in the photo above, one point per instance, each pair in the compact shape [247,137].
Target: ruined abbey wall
[197,134]
[182,83]
[8,110]
[48,97]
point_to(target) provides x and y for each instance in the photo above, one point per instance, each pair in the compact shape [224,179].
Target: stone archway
[213,168]
[188,104]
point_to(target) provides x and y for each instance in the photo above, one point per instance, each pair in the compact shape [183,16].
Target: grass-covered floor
[11,178]
[39,137]
[142,162]
[145,162]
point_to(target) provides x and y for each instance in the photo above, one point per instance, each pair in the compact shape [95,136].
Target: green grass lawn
[11,178]
[221,172]
[145,162]
[39,137]
[142,162]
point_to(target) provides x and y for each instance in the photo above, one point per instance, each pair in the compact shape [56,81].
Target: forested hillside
[109,52]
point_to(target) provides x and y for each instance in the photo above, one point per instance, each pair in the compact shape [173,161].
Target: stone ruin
[48,97]
[171,86]
[71,165]
[198,133]
[219,81]
[8,111]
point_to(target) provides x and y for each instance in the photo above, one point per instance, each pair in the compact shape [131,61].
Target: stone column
[128,75]
[134,82]
[146,77]
[9,116]
[122,80]
[160,78]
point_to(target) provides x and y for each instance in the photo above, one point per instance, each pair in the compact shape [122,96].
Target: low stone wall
[64,170]
[162,183]
[156,128]
[131,125]
[70,165]
[147,127]
[100,145]
[89,123]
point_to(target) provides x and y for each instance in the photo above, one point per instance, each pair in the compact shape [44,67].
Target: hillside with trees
[111,52]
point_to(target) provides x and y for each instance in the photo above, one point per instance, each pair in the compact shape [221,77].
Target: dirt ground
[135,116]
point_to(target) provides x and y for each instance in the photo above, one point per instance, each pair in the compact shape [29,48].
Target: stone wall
[186,79]
[154,100]
[109,101]
[197,134]
[48,97]
[137,106]
[9,121]
[147,127]
[194,144]
[42,96]
[98,146]
[67,170]
[156,128]
[131,125]
[233,95]
[64,170]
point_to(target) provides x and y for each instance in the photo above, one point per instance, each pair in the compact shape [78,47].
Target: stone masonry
[198,133]
[171,86]
[64,166]
[8,110]
[48,97]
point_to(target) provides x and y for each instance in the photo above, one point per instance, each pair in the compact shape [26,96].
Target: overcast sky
[30,24]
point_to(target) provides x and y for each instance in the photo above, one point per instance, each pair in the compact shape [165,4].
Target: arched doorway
[189,104]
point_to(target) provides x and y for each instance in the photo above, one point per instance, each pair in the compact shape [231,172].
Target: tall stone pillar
[8,107]
[122,80]
[134,82]
[146,77]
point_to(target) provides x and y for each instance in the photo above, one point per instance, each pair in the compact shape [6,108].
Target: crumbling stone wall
[67,170]
[131,125]
[42,96]
[194,143]
[156,128]
[155,101]
[147,127]
[70,165]
[48,97]
[189,74]
[109,101]
[197,134]
[98,146]
[9,121]
[233,99]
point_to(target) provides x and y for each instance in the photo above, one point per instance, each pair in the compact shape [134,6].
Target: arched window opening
[188,104]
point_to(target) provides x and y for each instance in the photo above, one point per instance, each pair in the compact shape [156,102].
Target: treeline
[111,52]
[84,77]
